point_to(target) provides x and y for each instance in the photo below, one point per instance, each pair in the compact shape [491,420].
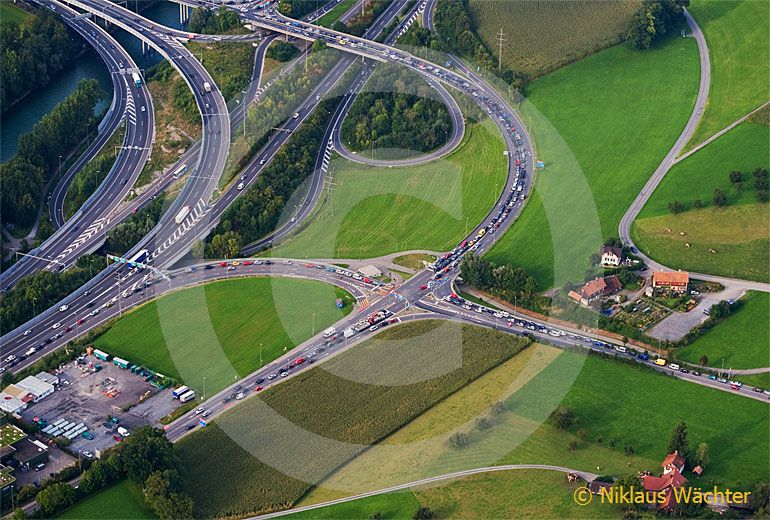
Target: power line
[500,40]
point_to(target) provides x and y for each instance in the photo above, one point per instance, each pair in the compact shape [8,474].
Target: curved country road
[588,477]
[624,229]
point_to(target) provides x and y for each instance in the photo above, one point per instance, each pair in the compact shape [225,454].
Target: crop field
[731,241]
[639,413]
[741,340]
[354,400]
[544,35]
[598,150]
[376,211]
[739,47]
[122,501]
[216,330]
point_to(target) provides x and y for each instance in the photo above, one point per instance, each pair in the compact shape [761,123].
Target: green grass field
[738,233]
[215,331]
[264,453]
[9,12]
[122,501]
[376,211]
[742,340]
[744,148]
[739,48]
[598,149]
[558,31]
[731,241]
[329,18]
[508,494]
[414,261]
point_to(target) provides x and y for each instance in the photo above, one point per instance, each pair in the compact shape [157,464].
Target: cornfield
[543,35]
[267,452]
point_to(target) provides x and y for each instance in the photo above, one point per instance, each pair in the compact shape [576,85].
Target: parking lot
[89,397]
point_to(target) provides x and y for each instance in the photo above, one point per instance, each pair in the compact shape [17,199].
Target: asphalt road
[624,229]
[80,233]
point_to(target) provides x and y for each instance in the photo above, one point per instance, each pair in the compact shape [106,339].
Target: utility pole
[305,57]
[500,41]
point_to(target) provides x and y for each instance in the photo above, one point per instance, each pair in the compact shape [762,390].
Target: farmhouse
[672,478]
[596,289]
[675,281]
[611,256]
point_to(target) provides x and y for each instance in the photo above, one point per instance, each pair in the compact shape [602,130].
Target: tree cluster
[31,53]
[281,51]
[124,236]
[257,211]
[408,119]
[653,20]
[25,176]
[205,21]
[761,184]
[358,25]
[87,181]
[513,284]
[720,199]
[299,8]
[39,291]
[146,458]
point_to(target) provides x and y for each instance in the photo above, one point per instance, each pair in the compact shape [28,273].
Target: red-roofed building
[674,281]
[672,478]
[673,461]
[596,289]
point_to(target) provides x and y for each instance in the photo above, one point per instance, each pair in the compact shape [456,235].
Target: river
[21,118]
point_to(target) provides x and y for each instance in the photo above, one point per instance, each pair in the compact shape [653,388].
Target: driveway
[675,326]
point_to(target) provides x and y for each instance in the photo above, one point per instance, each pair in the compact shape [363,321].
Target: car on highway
[239,396]
[206,413]
[27,332]
[63,308]
[199,410]
[56,325]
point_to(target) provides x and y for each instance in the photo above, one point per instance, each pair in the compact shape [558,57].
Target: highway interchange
[426,295]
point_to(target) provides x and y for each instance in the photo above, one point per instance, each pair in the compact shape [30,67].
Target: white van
[329,332]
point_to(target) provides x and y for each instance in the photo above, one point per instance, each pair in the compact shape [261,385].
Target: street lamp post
[313,331]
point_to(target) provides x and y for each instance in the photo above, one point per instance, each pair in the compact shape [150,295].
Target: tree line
[761,184]
[653,20]
[205,21]
[32,52]
[406,120]
[281,51]
[41,290]
[257,211]
[126,235]
[58,132]
[147,458]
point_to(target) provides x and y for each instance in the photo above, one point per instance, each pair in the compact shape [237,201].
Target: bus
[138,258]
[179,171]
[187,396]
[137,79]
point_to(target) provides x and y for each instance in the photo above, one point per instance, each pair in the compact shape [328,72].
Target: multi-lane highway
[79,234]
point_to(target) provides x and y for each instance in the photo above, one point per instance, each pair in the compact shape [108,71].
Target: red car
[257,388]
[117,438]
[299,361]
[80,321]
[247,262]
[69,328]
[310,266]
[222,264]
[423,287]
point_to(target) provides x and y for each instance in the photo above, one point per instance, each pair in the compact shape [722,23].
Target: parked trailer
[122,363]
[57,422]
[187,396]
[101,355]
[179,392]
[48,428]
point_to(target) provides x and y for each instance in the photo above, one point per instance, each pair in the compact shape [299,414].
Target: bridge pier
[184,13]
